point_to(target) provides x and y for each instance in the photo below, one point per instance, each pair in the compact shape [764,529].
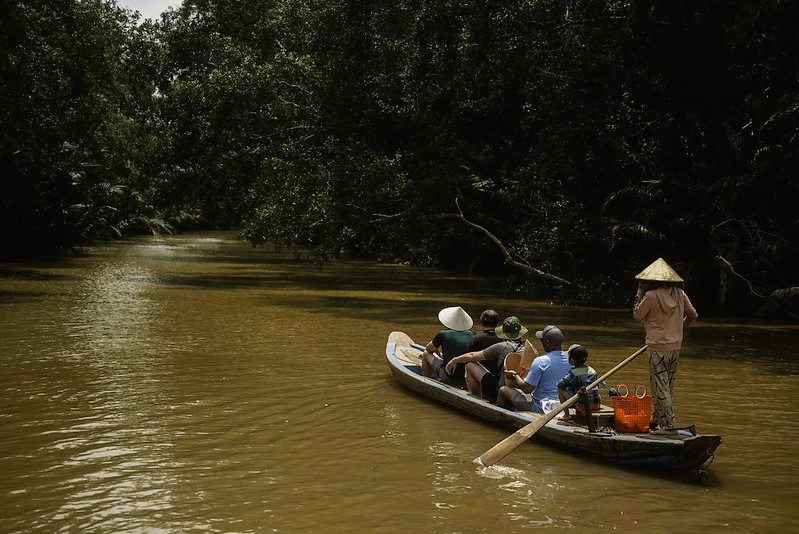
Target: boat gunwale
[666,451]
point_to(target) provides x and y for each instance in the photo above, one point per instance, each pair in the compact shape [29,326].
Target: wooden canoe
[682,450]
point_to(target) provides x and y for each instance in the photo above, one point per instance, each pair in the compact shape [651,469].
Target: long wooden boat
[682,450]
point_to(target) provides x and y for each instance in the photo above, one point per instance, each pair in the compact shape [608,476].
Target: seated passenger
[483,379]
[487,335]
[447,344]
[580,376]
[540,384]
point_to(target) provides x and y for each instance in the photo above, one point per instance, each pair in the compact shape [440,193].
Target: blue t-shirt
[453,343]
[544,375]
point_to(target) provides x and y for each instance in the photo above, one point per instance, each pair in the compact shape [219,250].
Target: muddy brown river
[193,383]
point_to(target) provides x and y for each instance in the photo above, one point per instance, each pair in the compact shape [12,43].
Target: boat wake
[500,471]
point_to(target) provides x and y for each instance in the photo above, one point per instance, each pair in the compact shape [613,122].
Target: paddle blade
[529,351]
[400,338]
[404,348]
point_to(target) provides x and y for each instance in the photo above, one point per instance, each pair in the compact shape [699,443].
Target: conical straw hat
[659,271]
[455,318]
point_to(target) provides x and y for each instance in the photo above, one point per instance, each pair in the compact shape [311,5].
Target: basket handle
[640,390]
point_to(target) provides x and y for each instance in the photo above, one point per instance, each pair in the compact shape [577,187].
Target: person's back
[447,344]
[581,375]
[486,337]
[541,382]
[453,343]
[495,359]
[665,310]
[479,380]
[482,340]
[546,372]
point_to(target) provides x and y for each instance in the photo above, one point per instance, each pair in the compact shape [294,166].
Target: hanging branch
[727,267]
[509,260]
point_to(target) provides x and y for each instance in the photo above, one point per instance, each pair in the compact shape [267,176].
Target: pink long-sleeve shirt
[665,312]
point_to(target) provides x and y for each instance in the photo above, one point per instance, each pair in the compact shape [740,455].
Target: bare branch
[509,260]
[727,266]
[383,217]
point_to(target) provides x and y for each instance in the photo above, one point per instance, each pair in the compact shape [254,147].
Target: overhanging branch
[509,260]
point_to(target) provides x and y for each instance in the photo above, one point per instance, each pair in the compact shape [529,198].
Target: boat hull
[630,449]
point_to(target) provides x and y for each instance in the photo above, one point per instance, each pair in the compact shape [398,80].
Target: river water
[193,383]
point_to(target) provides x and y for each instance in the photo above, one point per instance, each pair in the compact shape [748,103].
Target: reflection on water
[112,326]
[112,311]
[195,383]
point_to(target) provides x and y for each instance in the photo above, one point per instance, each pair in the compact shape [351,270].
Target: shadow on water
[37,272]
[10,297]
[400,294]
[343,276]
[40,272]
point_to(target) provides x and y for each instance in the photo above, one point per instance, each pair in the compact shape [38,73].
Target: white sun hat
[659,271]
[455,318]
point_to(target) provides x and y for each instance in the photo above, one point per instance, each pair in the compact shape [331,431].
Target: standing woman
[665,310]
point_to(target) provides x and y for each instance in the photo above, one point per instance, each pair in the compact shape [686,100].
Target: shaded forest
[562,144]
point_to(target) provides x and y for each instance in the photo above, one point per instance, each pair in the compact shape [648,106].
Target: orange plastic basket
[631,413]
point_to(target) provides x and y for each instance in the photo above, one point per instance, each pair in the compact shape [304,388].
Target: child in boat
[580,376]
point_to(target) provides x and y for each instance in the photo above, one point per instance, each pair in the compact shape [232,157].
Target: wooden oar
[507,445]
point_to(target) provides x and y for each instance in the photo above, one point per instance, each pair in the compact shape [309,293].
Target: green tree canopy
[552,141]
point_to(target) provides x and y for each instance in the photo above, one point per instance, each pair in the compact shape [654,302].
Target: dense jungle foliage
[580,140]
